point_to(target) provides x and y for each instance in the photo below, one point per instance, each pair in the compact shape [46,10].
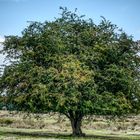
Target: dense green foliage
[72,66]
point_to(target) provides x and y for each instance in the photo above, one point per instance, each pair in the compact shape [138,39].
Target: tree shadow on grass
[63,136]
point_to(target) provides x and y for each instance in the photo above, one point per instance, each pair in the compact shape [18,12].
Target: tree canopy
[74,67]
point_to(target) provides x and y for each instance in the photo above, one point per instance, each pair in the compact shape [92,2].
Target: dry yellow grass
[55,123]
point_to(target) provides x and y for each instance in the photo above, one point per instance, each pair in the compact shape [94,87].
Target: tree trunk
[76,126]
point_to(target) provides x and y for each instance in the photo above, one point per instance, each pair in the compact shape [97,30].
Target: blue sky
[14,14]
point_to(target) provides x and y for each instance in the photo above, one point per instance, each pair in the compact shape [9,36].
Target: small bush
[134,124]
[6,121]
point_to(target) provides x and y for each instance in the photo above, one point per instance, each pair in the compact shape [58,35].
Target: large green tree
[74,67]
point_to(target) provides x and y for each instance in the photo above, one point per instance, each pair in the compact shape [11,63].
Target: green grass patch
[29,134]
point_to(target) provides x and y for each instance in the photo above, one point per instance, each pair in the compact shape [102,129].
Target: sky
[14,14]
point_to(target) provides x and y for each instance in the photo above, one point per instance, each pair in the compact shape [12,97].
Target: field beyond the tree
[22,126]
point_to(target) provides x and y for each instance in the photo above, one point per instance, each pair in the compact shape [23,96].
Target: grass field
[34,134]
[15,126]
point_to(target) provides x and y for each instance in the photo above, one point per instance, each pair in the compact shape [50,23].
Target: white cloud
[1,46]
[1,39]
